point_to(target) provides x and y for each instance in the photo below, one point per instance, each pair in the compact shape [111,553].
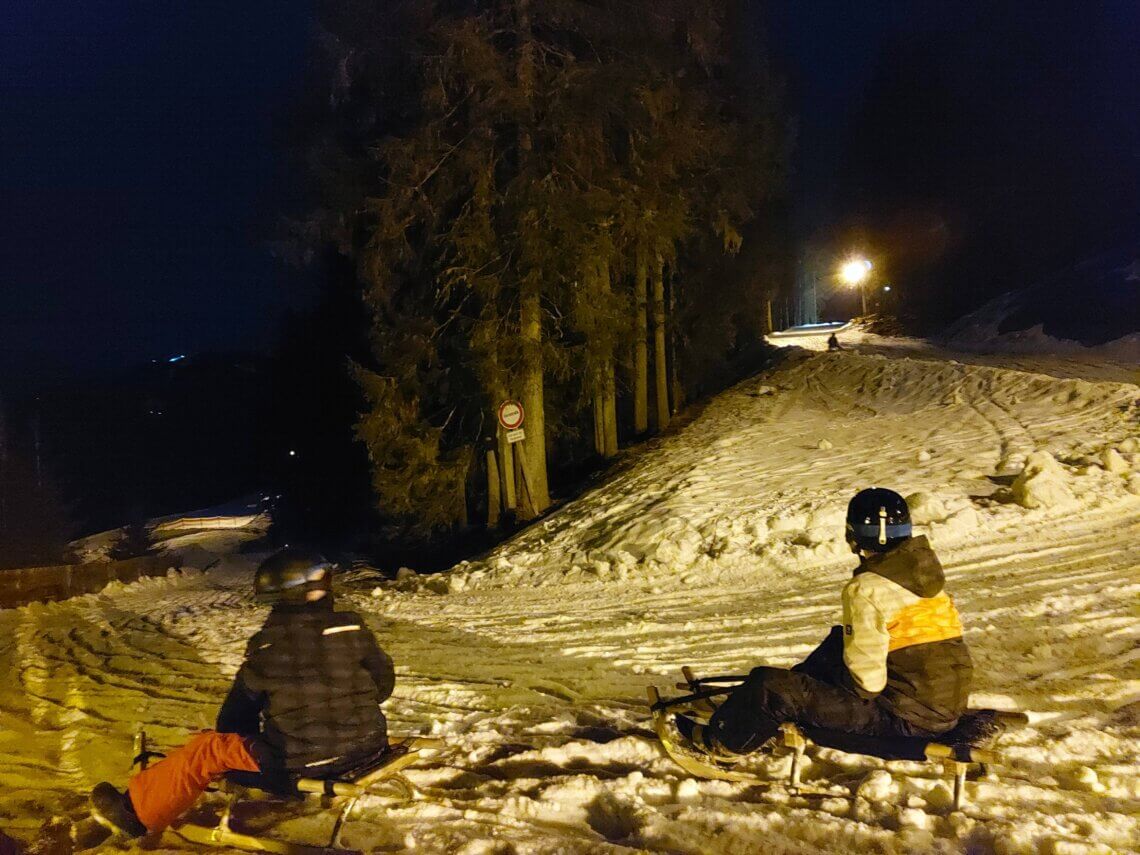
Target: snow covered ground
[718,546]
[1117,361]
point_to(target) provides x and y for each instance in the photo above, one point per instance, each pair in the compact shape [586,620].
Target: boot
[114,810]
[700,737]
[690,731]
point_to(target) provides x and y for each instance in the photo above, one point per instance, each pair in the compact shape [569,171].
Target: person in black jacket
[898,665]
[305,703]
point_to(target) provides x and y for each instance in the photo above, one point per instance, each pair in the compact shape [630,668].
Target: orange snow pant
[163,792]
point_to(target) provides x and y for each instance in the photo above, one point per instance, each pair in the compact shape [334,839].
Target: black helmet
[293,575]
[878,520]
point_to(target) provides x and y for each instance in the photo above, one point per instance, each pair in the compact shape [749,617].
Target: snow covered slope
[1094,305]
[718,546]
[1116,363]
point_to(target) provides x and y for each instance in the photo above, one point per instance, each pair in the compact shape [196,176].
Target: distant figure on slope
[305,702]
[897,667]
[833,342]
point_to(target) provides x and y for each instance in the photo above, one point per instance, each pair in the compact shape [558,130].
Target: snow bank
[1091,309]
[982,334]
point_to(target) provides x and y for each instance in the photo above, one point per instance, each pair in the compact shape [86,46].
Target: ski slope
[718,546]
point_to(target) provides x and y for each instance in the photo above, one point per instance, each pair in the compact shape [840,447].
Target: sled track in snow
[716,547]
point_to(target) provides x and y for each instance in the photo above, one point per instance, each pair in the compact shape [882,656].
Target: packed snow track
[719,546]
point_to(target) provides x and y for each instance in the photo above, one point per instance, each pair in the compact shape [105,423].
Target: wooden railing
[45,584]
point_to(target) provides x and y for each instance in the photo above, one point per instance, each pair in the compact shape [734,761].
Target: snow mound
[744,485]
[926,508]
[1042,484]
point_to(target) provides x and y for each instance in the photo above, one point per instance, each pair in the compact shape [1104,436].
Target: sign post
[511,418]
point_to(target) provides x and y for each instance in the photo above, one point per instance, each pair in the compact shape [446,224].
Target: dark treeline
[578,206]
[162,438]
[574,205]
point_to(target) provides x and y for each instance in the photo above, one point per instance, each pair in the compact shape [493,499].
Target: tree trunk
[506,462]
[599,425]
[640,349]
[674,352]
[610,408]
[507,471]
[595,361]
[609,382]
[494,497]
[534,494]
[661,368]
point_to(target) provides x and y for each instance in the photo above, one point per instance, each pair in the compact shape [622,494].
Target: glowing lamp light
[855,271]
[292,453]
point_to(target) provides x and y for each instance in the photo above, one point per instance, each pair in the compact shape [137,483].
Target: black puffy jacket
[311,686]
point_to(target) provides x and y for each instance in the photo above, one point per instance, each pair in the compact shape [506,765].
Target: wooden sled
[376,776]
[971,742]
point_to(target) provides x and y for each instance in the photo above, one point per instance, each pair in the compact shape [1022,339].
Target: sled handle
[655,702]
[142,754]
[693,683]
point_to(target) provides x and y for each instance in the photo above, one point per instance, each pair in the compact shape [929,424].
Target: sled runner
[378,775]
[970,742]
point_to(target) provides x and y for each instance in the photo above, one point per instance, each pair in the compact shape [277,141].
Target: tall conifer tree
[514,216]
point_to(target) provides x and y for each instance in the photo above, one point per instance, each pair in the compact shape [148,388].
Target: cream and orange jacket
[902,637]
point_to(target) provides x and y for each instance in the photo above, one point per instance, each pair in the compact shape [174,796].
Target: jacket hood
[913,565]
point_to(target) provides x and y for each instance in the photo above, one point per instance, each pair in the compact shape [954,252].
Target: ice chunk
[926,508]
[1113,462]
[1042,483]
[879,786]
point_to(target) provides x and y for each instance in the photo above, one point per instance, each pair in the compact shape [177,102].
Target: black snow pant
[810,694]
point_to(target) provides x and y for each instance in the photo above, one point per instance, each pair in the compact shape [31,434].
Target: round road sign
[511,415]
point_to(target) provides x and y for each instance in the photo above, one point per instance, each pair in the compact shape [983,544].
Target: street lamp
[854,272]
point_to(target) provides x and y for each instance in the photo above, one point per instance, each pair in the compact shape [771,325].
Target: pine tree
[544,163]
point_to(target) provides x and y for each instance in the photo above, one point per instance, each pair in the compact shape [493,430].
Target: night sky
[138,166]
[916,111]
[141,168]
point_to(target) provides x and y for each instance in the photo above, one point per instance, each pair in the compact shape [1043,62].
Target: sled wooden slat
[317,786]
[955,757]
[404,754]
[938,751]
[217,836]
